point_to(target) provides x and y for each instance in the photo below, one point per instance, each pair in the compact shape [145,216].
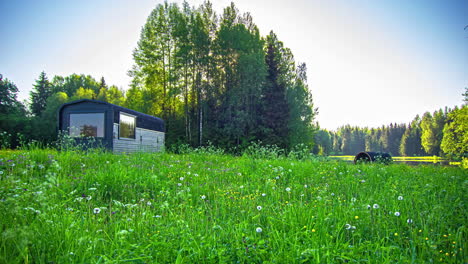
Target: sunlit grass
[65,207]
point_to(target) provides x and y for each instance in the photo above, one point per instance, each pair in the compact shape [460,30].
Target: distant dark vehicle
[113,127]
[369,157]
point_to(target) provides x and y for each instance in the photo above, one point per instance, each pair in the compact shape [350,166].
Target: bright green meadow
[75,207]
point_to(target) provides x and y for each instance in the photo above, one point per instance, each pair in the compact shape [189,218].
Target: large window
[87,125]
[127,126]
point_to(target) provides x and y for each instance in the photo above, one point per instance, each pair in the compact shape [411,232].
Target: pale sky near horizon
[370,63]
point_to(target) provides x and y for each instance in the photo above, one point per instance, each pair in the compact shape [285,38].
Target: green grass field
[66,207]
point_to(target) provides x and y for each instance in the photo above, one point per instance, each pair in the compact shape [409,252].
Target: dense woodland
[215,80]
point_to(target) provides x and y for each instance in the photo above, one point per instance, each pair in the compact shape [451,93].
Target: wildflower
[97,210]
[332,194]
[92,189]
[1,172]
[356,217]
[375,206]
[277,177]
[397,213]
[148,203]
[305,186]
[369,206]
[353,227]
[157,216]
[196,174]
[263,194]
[239,174]
[400,198]
[203,197]
[396,234]
[259,229]
[409,221]
[89,197]
[353,199]
[259,208]
[313,230]
[288,189]
[347,226]
[242,186]
[181,178]
[363,181]
[179,184]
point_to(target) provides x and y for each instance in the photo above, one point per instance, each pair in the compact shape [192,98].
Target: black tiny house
[114,127]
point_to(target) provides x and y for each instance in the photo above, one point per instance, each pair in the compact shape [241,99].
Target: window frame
[86,113]
[134,127]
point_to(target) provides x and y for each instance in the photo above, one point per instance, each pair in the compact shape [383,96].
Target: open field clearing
[67,207]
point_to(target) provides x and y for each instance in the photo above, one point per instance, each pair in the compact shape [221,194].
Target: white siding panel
[145,140]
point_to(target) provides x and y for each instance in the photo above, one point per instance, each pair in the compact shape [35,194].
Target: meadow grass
[75,207]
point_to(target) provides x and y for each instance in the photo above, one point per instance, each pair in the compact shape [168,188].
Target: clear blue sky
[369,62]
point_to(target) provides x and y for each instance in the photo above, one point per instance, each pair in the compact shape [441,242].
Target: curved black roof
[143,120]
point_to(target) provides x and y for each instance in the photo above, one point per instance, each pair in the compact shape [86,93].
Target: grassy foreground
[66,207]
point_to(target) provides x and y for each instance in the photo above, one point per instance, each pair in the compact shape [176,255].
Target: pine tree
[39,95]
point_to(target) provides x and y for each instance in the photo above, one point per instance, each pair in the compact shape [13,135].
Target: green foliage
[455,140]
[209,78]
[68,207]
[39,95]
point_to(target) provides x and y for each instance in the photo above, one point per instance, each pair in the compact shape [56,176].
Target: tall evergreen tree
[275,107]
[40,93]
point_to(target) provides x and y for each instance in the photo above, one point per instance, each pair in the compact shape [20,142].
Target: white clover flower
[196,175]
[375,206]
[242,187]
[259,229]
[179,184]
[259,208]
[305,186]
[277,177]
[369,206]
[203,197]
[148,203]
[332,194]
[239,174]
[409,221]
[181,178]
[397,213]
[347,226]
[400,198]
[97,210]
[263,194]
[188,173]
[353,199]
[288,189]
[1,172]
[89,197]
[363,181]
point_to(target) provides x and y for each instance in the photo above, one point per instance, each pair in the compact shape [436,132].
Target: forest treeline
[211,77]
[442,133]
[215,80]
